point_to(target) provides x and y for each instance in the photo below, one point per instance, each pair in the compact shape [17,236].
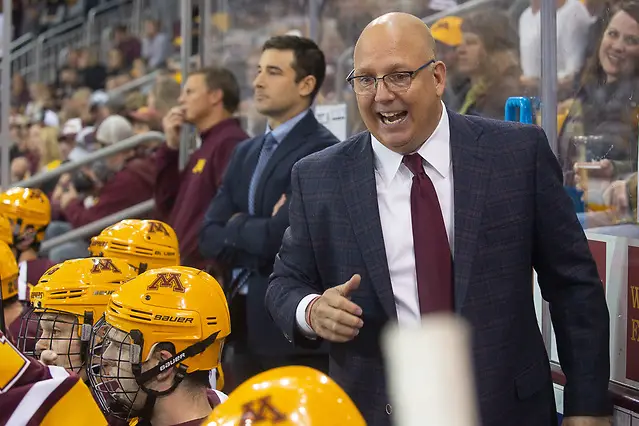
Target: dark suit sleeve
[569,281]
[213,235]
[244,241]
[251,236]
[295,273]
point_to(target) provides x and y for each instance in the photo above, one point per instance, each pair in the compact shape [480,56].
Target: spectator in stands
[126,43]
[77,106]
[138,69]
[208,101]
[19,93]
[19,132]
[164,94]
[604,104]
[31,19]
[246,220]
[573,22]
[115,63]
[52,14]
[20,169]
[134,101]
[447,33]
[40,109]
[70,150]
[45,141]
[119,181]
[146,119]
[117,80]
[75,9]
[103,106]
[92,74]
[156,45]
[69,82]
[487,56]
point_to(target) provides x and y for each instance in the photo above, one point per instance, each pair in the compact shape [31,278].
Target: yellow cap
[448,30]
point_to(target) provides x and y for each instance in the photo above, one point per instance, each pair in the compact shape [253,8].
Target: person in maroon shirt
[126,43]
[127,180]
[209,98]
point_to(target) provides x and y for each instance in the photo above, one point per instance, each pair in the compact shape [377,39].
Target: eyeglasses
[397,82]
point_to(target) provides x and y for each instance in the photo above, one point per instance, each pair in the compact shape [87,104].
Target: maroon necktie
[432,251]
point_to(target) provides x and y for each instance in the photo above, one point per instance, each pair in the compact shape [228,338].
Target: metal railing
[54,42]
[21,55]
[137,84]
[104,16]
[97,226]
[50,47]
[124,145]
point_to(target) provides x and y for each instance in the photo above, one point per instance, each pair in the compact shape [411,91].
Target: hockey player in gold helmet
[145,244]
[28,212]
[161,335]
[67,301]
[287,396]
[11,307]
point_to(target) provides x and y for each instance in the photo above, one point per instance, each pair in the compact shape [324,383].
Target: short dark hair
[224,80]
[309,59]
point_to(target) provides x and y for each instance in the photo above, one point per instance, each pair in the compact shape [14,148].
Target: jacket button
[389,409]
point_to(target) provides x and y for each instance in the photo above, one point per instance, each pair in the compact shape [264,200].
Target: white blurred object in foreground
[430,374]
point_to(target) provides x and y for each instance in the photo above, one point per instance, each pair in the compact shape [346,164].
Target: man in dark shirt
[209,98]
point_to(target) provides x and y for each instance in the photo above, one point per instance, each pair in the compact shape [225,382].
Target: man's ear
[439,74]
[307,85]
[168,374]
[215,96]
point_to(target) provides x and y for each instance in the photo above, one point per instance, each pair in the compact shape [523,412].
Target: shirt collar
[285,128]
[436,151]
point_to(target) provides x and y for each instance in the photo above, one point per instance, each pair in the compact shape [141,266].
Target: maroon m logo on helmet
[158,227]
[167,279]
[100,265]
[261,410]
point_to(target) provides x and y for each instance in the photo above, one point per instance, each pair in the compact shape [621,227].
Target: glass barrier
[597,119]
[597,113]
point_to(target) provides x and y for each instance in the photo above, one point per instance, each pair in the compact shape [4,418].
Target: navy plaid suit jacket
[511,215]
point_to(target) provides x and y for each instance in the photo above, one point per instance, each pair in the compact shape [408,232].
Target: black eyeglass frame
[412,74]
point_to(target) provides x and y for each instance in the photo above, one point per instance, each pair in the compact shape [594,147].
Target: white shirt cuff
[300,316]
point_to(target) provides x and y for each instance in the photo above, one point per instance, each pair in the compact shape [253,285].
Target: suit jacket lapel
[360,195]
[471,172]
[291,142]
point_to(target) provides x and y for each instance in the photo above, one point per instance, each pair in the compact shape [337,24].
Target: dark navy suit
[511,215]
[250,242]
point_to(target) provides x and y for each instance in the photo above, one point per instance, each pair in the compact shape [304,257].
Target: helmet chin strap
[142,378]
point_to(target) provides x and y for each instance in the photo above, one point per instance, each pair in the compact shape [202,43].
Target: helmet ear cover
[144,377]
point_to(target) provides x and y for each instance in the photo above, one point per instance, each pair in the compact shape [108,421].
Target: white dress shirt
[393,181]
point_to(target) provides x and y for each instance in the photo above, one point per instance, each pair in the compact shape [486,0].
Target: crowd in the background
[490,55]
[248,119]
